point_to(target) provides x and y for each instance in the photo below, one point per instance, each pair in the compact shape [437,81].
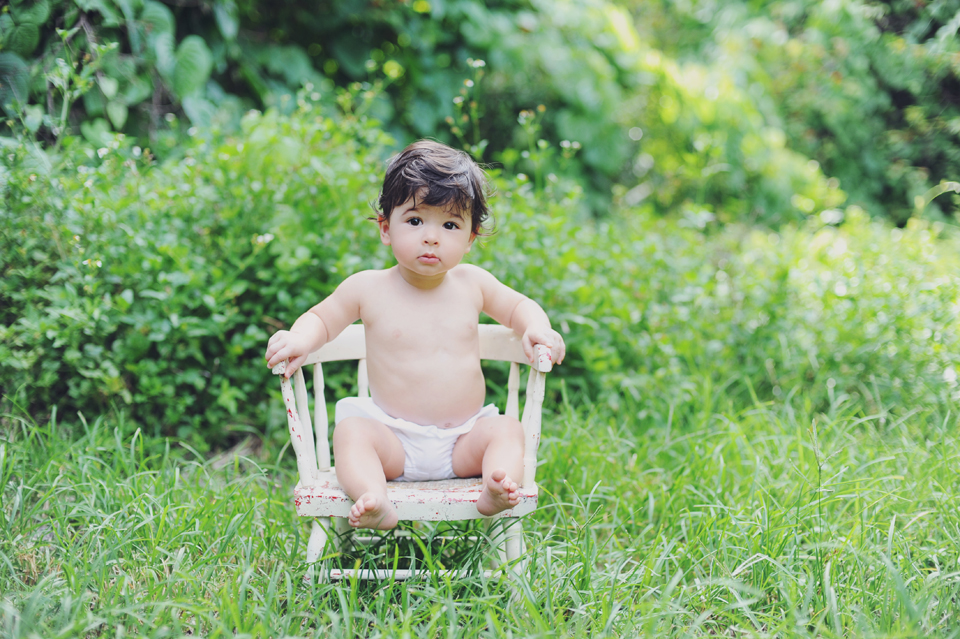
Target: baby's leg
[367,455]
[493,449]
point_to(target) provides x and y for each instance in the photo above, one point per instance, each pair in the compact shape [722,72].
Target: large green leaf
[157,17]
[97,132]
[33,12]
[109,86]
[289,62]
[134,33]
[23,38]
[32,117]
[117,112]
[94,103]
[127,7]
[110,16]
[138,90]
[200,110]
[14,80]
[225,11]
[163,45]
[192,67]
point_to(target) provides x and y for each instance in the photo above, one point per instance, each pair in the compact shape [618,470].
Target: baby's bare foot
[373,511]
[499,493]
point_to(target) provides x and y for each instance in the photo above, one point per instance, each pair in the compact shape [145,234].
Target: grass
[772,520]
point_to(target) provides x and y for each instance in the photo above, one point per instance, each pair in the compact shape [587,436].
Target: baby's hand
[546,337]
[288,345]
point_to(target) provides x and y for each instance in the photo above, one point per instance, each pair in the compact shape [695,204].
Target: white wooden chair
[318,494]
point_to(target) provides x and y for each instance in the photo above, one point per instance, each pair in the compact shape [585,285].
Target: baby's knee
[504,427]
[349,431]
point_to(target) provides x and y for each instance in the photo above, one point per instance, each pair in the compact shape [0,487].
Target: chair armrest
[543,358]
[298,422]
[533,412]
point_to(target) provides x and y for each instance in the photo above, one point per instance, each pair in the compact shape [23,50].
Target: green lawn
[770,521]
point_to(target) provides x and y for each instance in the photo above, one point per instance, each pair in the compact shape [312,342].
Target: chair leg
[341,526]
[496,533]
[516,548]
[316,546]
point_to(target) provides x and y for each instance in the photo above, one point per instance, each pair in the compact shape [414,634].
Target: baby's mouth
[429,258]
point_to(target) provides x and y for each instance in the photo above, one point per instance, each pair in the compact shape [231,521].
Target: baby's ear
[384,224]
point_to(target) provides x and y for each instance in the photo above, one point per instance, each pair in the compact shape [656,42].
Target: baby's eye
[450,226]
[414,221]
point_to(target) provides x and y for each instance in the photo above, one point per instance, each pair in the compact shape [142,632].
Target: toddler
[426,418]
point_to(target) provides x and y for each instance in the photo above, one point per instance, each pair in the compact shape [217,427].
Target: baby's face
[427,240]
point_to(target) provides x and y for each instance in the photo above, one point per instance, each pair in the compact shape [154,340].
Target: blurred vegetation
[755,112]
[790,395]
[733,192]
[153,287]
[741,215]
[870,90]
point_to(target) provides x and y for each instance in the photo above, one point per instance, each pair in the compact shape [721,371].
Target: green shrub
[154,287]
[866,88]
[129,68]
[655,312]
[707,150]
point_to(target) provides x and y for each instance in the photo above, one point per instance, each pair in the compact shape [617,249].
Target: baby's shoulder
[363,283]
[371,277]
[475,276]
[470,272]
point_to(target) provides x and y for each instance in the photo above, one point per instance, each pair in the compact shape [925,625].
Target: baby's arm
[317,326]
[519,312]
[531,322]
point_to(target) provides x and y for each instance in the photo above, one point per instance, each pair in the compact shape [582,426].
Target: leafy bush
[155,287]
[706,150]
[868,89]
[128,66]
[713,110]
[656,312]
[133,63]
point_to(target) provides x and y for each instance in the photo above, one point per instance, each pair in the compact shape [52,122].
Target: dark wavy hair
[438,175]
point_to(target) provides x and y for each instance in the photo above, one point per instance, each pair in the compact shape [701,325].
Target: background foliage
[728,208]
[750,111]
[867,89]
[155,286]
[747,416]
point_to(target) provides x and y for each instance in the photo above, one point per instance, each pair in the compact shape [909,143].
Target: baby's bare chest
[423,322]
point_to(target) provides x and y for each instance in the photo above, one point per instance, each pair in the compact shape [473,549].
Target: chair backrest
[496,343]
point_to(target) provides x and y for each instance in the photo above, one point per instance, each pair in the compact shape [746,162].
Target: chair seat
[422,501]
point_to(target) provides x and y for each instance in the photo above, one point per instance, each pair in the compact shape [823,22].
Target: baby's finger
[275,344]
[558,351]
[561,350]
[271,351]
[294,364]
[527,348]
[278,356]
